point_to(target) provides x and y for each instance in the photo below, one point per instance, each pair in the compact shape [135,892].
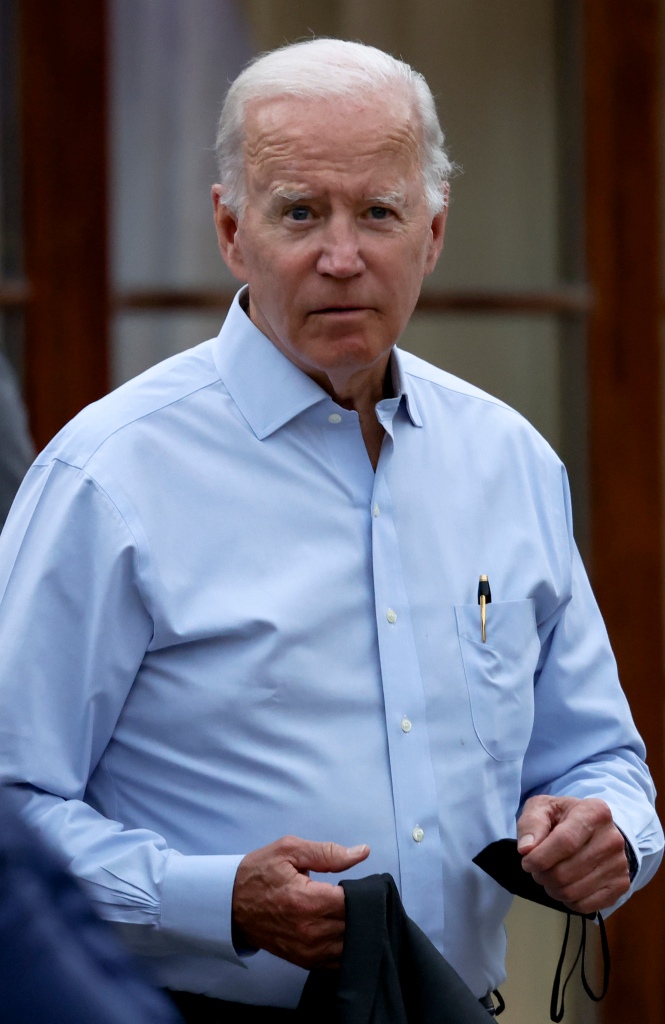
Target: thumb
[537,820]
[327,856]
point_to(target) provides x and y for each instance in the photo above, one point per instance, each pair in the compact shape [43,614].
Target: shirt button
[418,834]
[376,510]
[406,725]
[334,418]
[391,616]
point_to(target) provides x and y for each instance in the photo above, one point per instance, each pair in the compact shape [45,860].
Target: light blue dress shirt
[218,626]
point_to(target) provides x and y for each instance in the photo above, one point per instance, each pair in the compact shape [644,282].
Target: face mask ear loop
[606,961]
[501,1003]
[556,1012]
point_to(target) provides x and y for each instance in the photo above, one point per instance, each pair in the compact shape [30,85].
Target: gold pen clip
[484,598]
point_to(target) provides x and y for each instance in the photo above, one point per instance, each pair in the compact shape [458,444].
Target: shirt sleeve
[584,742]
[74,628]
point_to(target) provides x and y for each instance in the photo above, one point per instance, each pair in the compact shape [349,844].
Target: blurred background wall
[549,293]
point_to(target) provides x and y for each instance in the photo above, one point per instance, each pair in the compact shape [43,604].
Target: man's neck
[359,390]
[362,395]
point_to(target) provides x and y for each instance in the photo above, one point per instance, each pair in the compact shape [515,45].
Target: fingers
[581,860]
[277,907]
[536,822]
[596,873]
[572,825]
[309,856]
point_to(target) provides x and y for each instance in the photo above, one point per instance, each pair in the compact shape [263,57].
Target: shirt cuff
[638,865]
[197,898]
[631,856]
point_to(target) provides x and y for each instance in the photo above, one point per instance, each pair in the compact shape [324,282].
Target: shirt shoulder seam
[85,460]
[480,397]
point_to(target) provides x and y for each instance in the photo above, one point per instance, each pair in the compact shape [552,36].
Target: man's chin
[347,350]
[341,361]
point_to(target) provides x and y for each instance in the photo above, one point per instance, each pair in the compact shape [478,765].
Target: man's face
[336,236]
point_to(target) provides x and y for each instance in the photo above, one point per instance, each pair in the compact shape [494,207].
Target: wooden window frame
[67,303]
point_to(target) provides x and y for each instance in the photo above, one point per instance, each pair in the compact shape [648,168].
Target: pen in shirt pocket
[484,598]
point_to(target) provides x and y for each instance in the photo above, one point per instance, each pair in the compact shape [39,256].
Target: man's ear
[438,230]
[226,226]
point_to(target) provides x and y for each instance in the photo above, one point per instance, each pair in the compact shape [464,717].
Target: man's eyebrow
[296,195]
[397,199]
[290,195]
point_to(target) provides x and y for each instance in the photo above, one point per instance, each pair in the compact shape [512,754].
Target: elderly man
[241,592]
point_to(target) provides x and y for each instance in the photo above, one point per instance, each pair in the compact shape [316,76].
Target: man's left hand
[573,848]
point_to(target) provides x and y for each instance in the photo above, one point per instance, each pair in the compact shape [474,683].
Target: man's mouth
[338,310]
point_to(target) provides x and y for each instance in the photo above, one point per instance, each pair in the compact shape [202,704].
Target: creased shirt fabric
[218,626]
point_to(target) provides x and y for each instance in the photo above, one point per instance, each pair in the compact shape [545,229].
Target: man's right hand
[277,907]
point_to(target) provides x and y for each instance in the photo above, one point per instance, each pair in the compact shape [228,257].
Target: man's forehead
[349,135]
[389,113]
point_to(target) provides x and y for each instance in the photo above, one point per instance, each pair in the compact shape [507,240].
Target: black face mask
[503,863]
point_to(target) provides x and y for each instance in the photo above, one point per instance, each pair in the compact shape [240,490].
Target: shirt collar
[267,387]
[402,387]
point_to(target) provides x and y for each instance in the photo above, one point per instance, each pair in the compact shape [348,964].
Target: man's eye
[299,213]
[379,212]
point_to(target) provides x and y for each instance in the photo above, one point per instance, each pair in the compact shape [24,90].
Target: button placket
[412,774]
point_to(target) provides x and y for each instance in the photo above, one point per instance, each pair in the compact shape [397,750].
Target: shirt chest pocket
[499,674]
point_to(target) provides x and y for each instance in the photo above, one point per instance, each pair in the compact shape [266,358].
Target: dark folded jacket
[390,972]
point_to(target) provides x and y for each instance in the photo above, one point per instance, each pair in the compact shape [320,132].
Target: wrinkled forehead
[346,132]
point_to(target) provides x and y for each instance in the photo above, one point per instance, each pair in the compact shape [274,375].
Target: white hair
[324,68]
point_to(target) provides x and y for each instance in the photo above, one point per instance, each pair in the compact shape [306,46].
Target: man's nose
[340,252]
